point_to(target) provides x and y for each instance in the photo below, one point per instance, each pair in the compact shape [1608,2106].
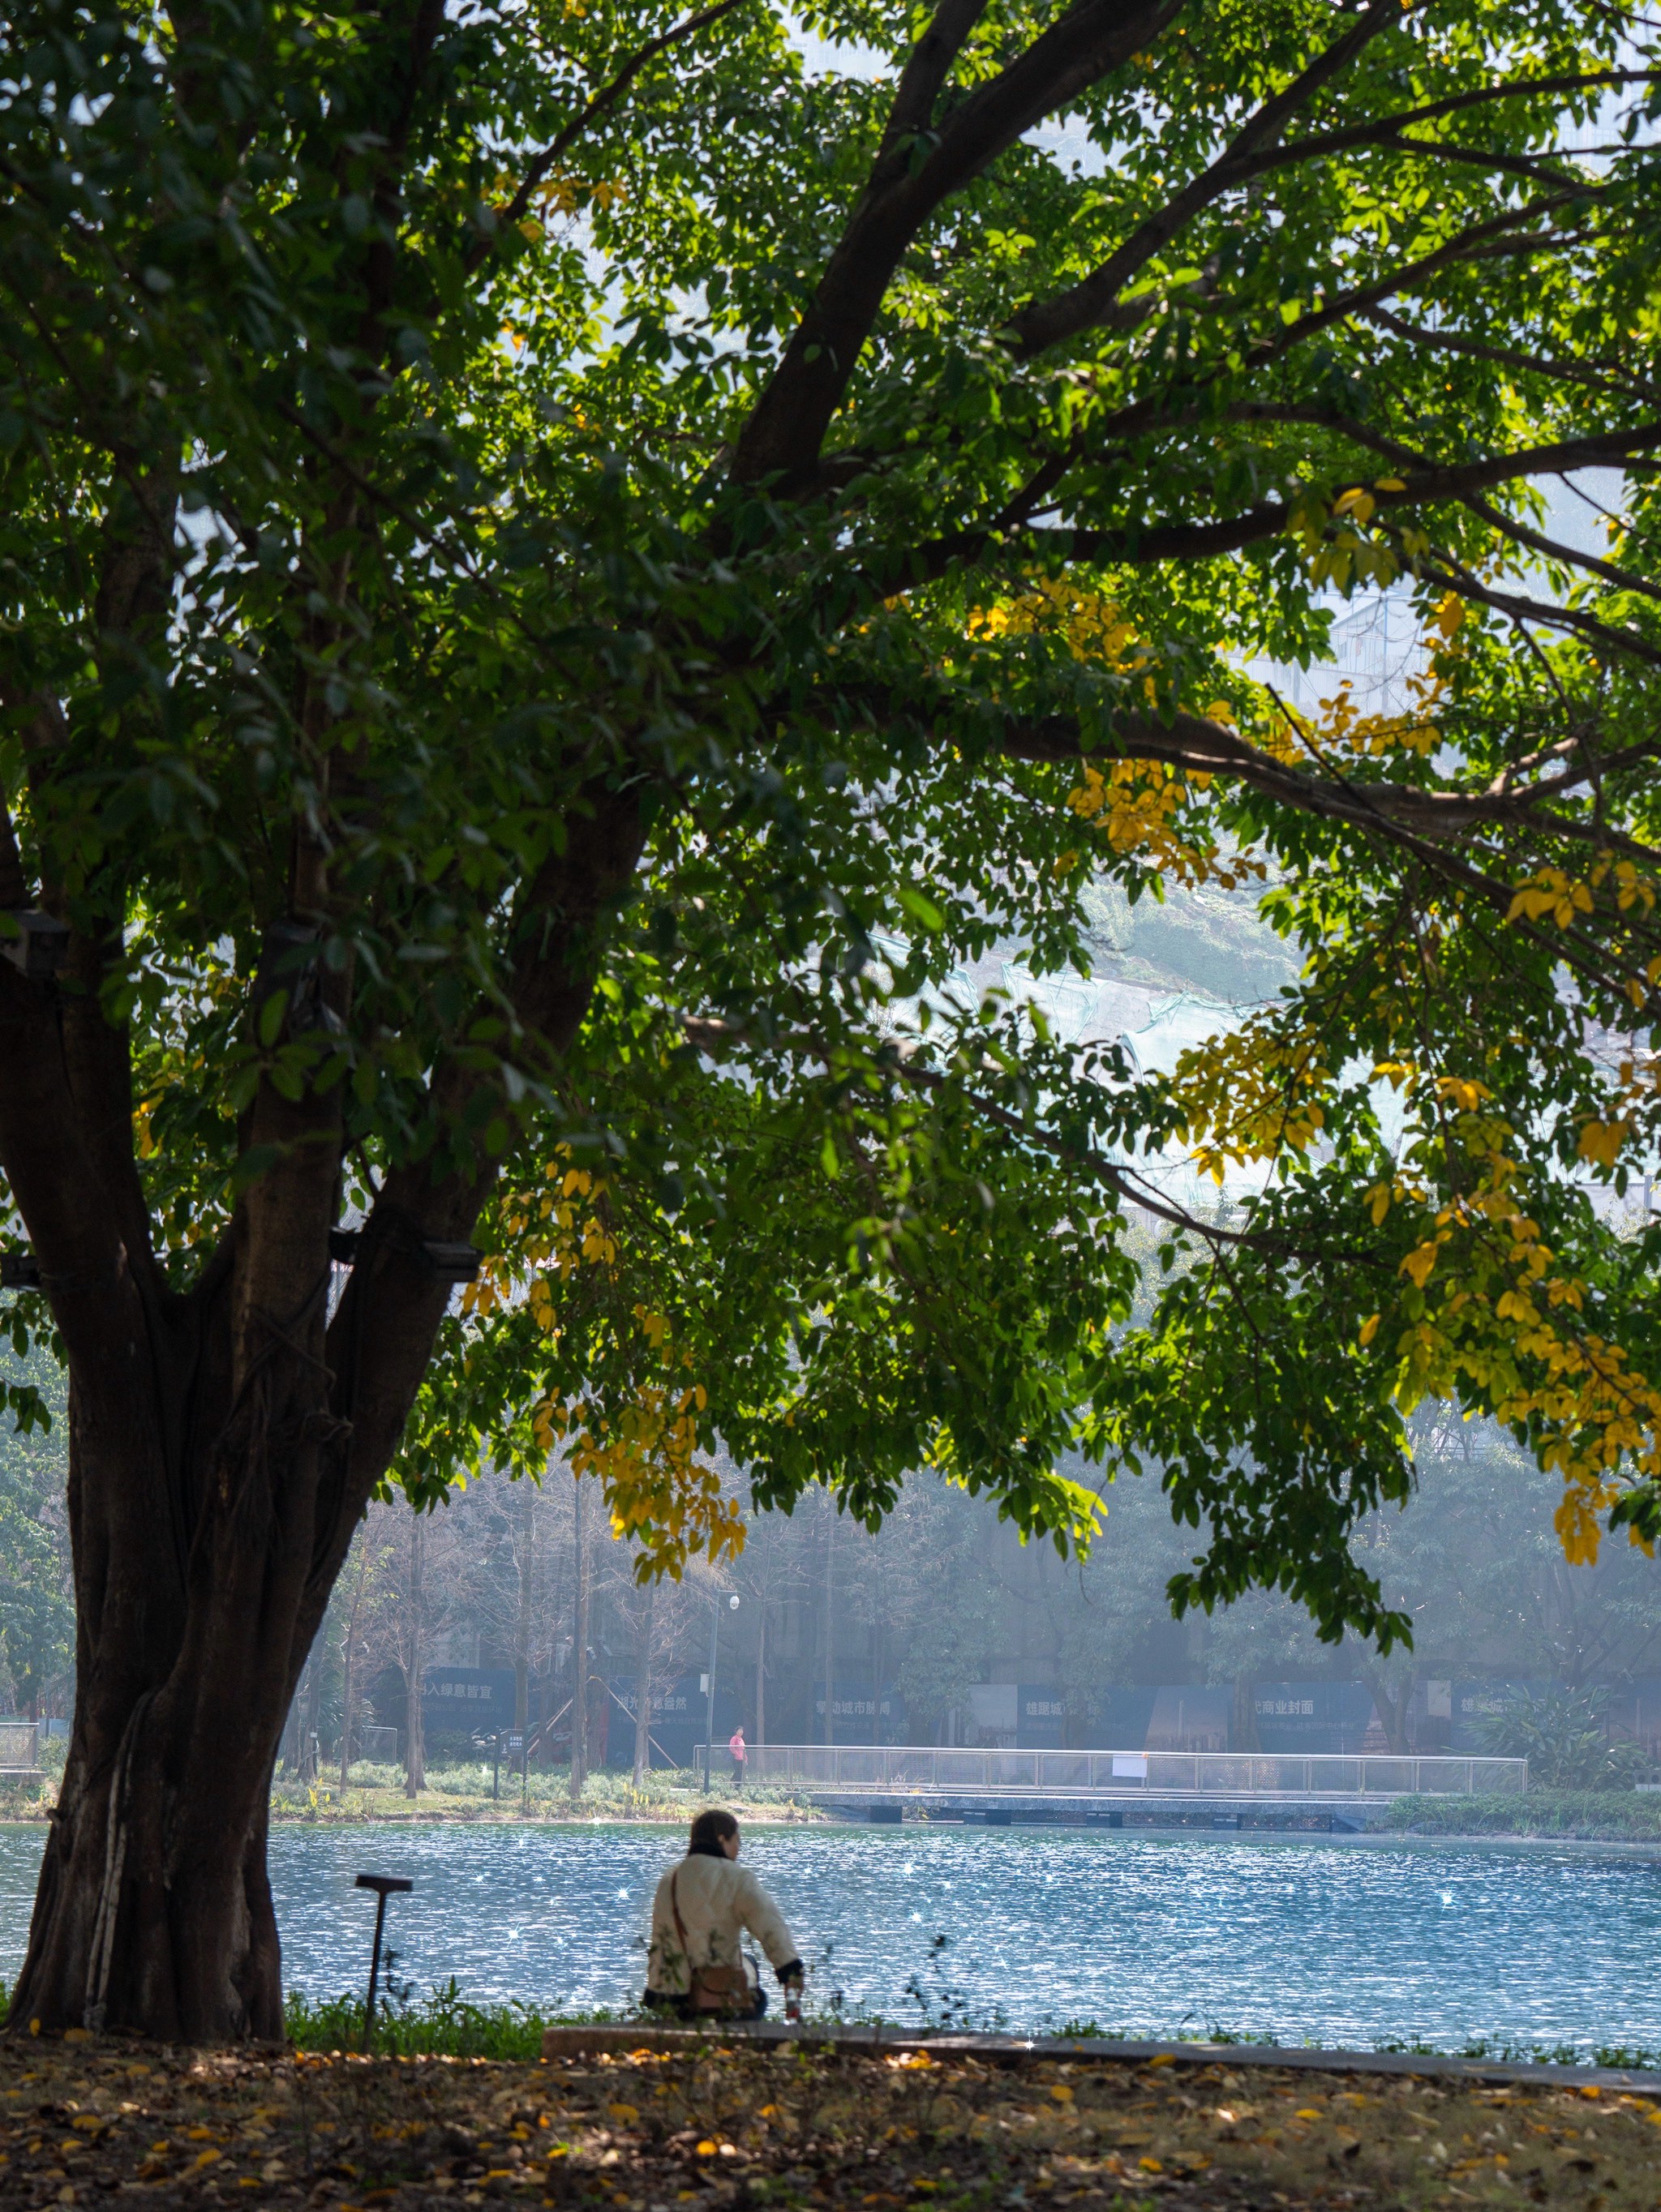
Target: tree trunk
[347,1691]
[153,1908]
[876,1661]
[311,1719]
[294,1729]
[349,1667]
[830,1644]
[527,1552]
[223,1440]
[644,1691]
[414,1748]
[579,1648]
[761,1673]
[1392,1711]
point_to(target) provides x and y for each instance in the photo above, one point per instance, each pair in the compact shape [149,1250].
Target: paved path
[1013,2049]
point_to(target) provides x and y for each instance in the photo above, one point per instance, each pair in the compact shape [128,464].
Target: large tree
[564,568]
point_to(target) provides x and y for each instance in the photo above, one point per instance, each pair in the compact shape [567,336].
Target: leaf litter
[742,2125]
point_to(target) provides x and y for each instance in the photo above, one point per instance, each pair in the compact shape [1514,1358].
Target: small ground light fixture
[383,1886]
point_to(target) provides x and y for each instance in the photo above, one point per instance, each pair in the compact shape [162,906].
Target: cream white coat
[719,1899]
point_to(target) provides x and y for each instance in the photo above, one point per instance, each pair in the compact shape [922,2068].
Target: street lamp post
[709,1710]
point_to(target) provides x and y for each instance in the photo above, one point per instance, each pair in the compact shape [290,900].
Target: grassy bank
[462,1791]
[1610,1816]
[444,2025]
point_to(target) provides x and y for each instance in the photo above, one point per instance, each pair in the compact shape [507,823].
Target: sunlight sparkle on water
[1136,1930]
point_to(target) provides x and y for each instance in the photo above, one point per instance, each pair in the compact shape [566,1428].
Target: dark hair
[710,1832]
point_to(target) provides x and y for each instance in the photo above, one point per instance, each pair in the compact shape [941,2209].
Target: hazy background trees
[944,1599]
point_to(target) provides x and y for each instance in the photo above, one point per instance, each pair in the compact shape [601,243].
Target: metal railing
[20,1747]
[1200,1773]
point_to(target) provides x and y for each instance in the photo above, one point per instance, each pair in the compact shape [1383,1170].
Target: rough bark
[222,1444]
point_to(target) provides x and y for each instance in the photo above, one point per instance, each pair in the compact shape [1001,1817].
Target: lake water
[1143,1933]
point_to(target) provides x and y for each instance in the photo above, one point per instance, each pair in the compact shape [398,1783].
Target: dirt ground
[731,2128]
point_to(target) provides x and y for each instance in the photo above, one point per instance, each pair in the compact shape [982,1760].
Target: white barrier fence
[1199,1773]
[20,1747]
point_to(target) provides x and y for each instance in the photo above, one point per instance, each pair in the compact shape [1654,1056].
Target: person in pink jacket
[700,1914]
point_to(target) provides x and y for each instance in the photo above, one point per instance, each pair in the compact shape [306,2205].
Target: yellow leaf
[628,2114]
[1369,1328]
[1418,1264]
[1602,1140]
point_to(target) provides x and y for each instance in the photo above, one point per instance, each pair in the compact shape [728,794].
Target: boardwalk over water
[1119,1789]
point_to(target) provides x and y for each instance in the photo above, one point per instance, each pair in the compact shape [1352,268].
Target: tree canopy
[565,566]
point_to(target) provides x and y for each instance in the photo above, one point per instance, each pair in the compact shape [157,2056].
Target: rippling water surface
[1330,1944]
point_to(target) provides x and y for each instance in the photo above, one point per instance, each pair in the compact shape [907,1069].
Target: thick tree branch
[53,1182]
[1421,823]
[1461,103]
[1495,240]
[1520,534]
[1606,379]
[927,69]
[98,1059]
[1090,302]
[380,261]
[1139,546]
[380,1340]
[1199,746]
[787,427]
[1548,614]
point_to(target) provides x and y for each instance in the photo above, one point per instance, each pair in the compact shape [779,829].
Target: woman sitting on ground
[702,1906]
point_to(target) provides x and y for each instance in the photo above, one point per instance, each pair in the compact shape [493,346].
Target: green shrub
[1564,1736]
[1591,1815]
